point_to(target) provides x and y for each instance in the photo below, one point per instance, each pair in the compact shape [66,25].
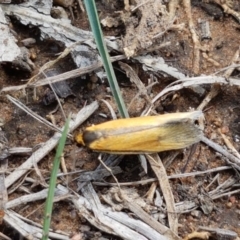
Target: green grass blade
[53,179]
[98,35]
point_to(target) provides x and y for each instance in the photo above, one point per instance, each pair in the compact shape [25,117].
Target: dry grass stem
[161,174]
[234,161]
[33,114]
[82,115]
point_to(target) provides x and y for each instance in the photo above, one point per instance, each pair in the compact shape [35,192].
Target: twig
[114,116]
[229,144]
[232,66]
[150,220]
[167,28]
[196,42]
[58,100]
[31,198]
[109,170]
[64,168]
[142,90]
[199,235]
[33,114]
[3,188]
[197,47]
[39,174]
[223,187]
[3,169]
[228,10]
[186,82]
[213,93]
[4,237]
[172,7]
[235,162]
[150,180]
[161,174]
[139,5]
[50,144]
[81,6]
[97,174]
[150,193]
[27,230]
[49,64]
[63,76]
[220,233]
[234,60]
[117,223]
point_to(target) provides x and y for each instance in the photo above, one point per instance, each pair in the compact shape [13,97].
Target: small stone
[225,129]
[232,199]
[196,213]
[229,205]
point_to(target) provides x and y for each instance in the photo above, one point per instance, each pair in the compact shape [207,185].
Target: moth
[149,134]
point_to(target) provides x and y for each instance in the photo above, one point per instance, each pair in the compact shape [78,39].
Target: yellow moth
[138,135]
